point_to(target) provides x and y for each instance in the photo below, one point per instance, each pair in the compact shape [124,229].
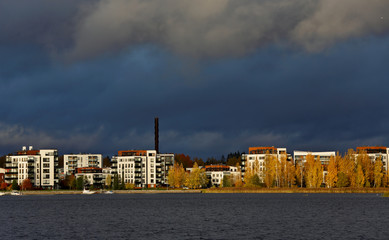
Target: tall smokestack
[156,132]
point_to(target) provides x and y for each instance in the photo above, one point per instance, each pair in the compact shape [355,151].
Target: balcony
[11,176]
[11,165]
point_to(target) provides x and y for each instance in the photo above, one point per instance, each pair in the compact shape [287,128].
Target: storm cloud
[90,76]
[223,28]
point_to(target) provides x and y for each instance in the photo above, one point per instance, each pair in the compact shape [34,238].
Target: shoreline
[296,190]
[218,190]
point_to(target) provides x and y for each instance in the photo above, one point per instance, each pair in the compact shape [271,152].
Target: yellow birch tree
[332,175]
[378,174]
[269,173]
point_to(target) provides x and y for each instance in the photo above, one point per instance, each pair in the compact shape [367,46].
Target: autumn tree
[367,168]
[199,161]
[378,174]
[26,184]
[269,173]
[346,170]
[332,172]
[108,181]
[196,178]
[184,160]
[313,171]
[299,174]
[70,181]
[286,172]
[359,177]
[226,181]
[3,186]
[252,173]
[176,175]
[107,162]
[236,179]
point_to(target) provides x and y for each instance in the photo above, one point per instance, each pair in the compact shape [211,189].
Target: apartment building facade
[39,166]
[73,161]
[143,168]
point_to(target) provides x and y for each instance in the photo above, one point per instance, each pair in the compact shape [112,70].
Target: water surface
[195,216]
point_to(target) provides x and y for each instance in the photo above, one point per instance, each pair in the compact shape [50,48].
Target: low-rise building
[73,161]
[92,176]
[216,173]
[40,166]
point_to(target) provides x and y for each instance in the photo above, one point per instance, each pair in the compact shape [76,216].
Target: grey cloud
[221,28]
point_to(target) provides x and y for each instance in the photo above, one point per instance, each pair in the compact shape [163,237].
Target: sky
[222,76]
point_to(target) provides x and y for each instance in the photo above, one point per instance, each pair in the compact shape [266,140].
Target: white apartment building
[259,154]
[73,161]
[37,165]
[144,168]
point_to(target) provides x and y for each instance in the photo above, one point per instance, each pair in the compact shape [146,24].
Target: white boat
[108,192]
[87,191]
[15,193]
[2,193]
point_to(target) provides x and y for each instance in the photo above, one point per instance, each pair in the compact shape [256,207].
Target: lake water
[195,216]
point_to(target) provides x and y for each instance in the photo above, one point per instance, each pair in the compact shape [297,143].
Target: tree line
[354,169]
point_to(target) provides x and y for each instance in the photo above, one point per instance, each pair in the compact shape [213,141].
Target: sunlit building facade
[39,166]
[143,168]
[73,161]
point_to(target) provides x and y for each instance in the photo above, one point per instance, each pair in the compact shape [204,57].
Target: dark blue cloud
[277,96]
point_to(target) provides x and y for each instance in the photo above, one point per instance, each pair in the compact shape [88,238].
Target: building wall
[73,161]
[40,168]
[215,174]
[144,168]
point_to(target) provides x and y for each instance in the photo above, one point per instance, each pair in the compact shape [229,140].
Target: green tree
[116,182]
[80,183]
[226,181]
[15,185]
